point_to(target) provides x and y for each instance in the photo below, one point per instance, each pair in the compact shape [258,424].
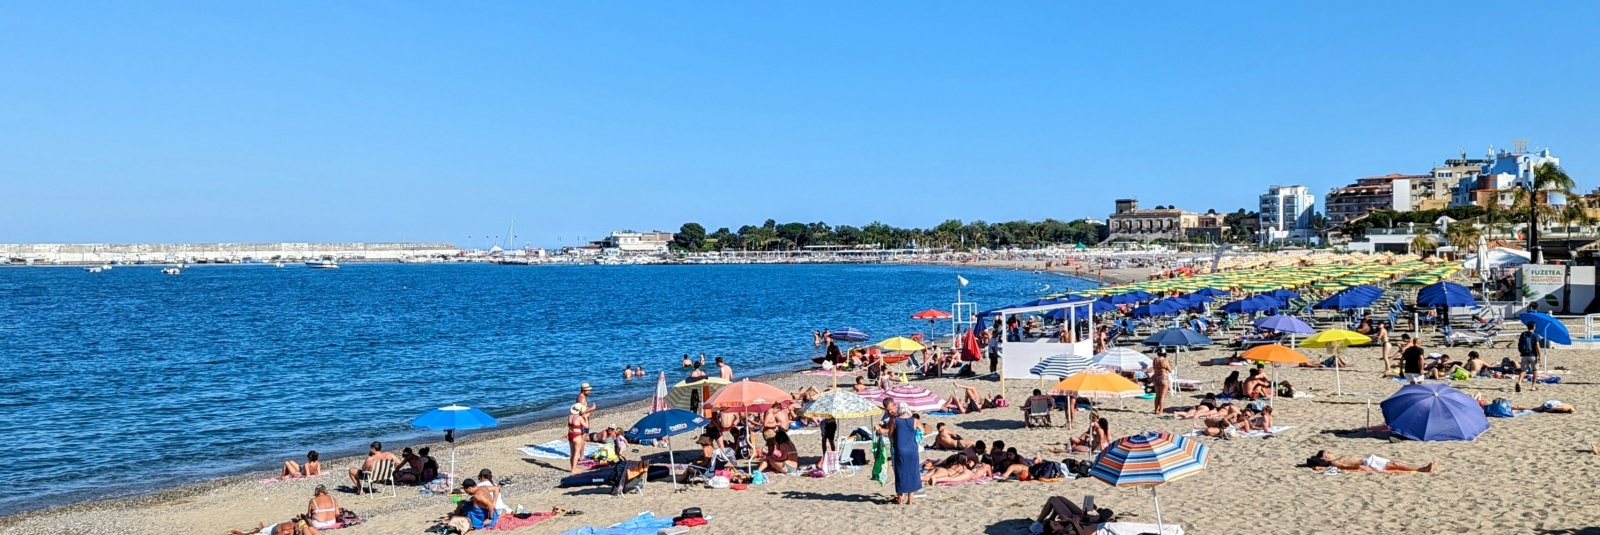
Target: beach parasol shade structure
[451,419]
[1061,366]
[1177,338]
[1445,294]
[931,314]
[690,394]
[1336,340]
[1211,292]
[848,335]
[663,424]
[1149,459]
[1096,383]
[917,398]
[1547,327]
[659,401]
[841,404]
[1285,324]
[747,396]
[900,344]
[1275,354]
[1434,411]
[1122,359]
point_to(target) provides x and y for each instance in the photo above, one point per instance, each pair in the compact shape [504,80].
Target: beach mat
[644,524]
[556,449]
[512,522]
[1253,434]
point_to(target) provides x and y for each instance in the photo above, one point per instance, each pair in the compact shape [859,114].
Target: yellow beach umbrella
[900,343]
[1334,340]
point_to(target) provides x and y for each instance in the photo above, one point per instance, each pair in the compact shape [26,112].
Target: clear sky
[133,121]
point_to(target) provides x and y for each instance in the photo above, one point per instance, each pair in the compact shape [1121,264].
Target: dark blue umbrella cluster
[1285,324]
[1165,307]
[1445,294]
[1211,292]
[1348,298]
[1260,303]
[1434,412]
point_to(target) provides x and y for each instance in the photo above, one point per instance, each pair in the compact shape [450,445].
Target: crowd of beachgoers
[940,427]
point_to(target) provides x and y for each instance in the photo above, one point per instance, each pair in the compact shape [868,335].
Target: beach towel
[644,524]
[511,522]
[277,479]
[938,413]
[1131,528]
[557,449]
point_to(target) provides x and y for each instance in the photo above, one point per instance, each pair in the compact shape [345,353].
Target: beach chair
[382,471]
[720,459]
[1038,414]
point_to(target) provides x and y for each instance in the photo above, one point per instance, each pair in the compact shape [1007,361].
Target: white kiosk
[1016,358]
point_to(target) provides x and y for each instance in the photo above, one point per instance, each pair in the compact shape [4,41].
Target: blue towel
[939,413]
[644,524]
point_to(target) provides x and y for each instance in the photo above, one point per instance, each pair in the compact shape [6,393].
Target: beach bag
[1499,408]
[858,457]
[347,518]
[1046,470]
[1460,375]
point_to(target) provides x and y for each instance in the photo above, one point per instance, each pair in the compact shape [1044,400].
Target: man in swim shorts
[1371,463]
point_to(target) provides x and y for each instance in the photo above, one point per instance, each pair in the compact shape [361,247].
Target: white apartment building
[1286,213]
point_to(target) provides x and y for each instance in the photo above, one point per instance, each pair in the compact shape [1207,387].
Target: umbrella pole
[1338,387]
[1160,528]
[672,464]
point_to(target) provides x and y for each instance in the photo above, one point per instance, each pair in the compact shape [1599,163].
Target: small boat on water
[93,269]
[105,267]
[325,263]
[277,264]
[170,271]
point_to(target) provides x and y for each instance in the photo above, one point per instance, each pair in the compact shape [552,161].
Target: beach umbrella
[1283,294]
[1547,327]
[1445,294]
[1335,340]
[841,404]
[1211,292]
[451,419]
[1149,459]
[659,402]
[691,394]
[917,398]
[1177,338]
[931,314]
[901,344]
[1096,383]
[1285,324]
[1346,299]
[663,424]
[1275,354]
[848,335]
[746,396]
[1123,299]
[1122,359]
[1434,411]
[1063,365]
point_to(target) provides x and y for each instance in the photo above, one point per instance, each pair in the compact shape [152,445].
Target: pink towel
[511,522]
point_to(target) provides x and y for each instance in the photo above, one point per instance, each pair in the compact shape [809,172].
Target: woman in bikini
[1207,407]
[966,470]
[1098,435]
[323,510]
[781,456]
[313,467]
[577,422]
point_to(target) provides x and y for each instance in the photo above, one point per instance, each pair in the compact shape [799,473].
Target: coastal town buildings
[1501,173]
[1393,191]
[1285,214]
[628,242]
[1443,188]
[1159,223]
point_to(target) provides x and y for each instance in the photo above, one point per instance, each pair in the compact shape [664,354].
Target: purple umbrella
[1285,324]
[1434,412]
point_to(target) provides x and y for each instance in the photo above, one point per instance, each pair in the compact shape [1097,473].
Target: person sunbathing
[967,470]
[1206,407]
[1226,417]
[374,454]
[293,470]
[294,526]
[780,456]
[322,511]
[410,468]
[1232,387]
[1093,440]
[1475,365]
[1371,463]
[969,401]
[1063,517]
[806,395]
[860,386]
[943,439]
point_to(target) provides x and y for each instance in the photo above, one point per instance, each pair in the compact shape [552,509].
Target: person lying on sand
[967,470]
[1226,416]
[293,470]
[294,526]
[806,395]
[943,439]
[1096,437]
[1063,517]
[969,400]
[1206,407]
[1370,463]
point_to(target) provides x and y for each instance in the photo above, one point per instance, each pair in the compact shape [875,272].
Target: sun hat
[585,386]
[577,408]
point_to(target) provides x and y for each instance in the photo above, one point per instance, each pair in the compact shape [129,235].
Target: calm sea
[129,380]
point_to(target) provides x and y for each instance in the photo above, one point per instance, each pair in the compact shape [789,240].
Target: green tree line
[953,234]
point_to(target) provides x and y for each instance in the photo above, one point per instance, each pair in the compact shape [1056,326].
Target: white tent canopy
[1498,257]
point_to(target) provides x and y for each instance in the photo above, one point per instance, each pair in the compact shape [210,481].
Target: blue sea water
[128,380]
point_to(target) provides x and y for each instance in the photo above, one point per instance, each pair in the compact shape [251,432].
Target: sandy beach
[1525,475]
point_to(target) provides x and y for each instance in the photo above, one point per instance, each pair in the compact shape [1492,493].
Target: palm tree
[1576,211]
[1423,243]
[1548,178]
[1464,236]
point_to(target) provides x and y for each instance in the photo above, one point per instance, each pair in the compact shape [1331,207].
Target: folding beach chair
[382,471]
[1039,412]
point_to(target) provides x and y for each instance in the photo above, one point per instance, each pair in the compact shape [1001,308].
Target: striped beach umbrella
[841,404]
[917,398]
[1122,359]
[1063,365]
[848,335]
[1149,459]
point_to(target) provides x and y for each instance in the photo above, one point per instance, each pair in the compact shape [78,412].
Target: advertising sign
[1541,286]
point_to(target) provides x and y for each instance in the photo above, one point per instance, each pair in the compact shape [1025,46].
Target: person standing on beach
[724,370]
[1383,340]
[907,457]
[1411,358]
[583,398]
[1159,369]
[1530,348]
[577,432]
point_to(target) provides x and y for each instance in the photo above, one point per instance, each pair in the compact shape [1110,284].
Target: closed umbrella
[659,402]
[451,419]
[1335,340]
[1150,459]
[663,424]
[1434,411]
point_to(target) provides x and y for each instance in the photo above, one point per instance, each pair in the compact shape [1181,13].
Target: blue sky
[384,121]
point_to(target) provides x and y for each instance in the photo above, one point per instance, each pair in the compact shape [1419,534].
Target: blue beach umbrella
[1123,299]
[1434,411]
[1177,338]
[451,419]
[1436,296]
[1211,292]
[1285,324]
[848,335]
[1349,298]
[1547,327]
[1141,295]
[1283,294]
[662,424]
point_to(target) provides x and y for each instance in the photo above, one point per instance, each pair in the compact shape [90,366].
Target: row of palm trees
[1548,179]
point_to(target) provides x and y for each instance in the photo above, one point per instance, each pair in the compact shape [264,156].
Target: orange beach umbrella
[747,396]
[1276,354]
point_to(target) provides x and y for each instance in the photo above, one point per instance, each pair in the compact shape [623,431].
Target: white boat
[106,267]
[170,271]
[325,263]
[277,264]
[92,269]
